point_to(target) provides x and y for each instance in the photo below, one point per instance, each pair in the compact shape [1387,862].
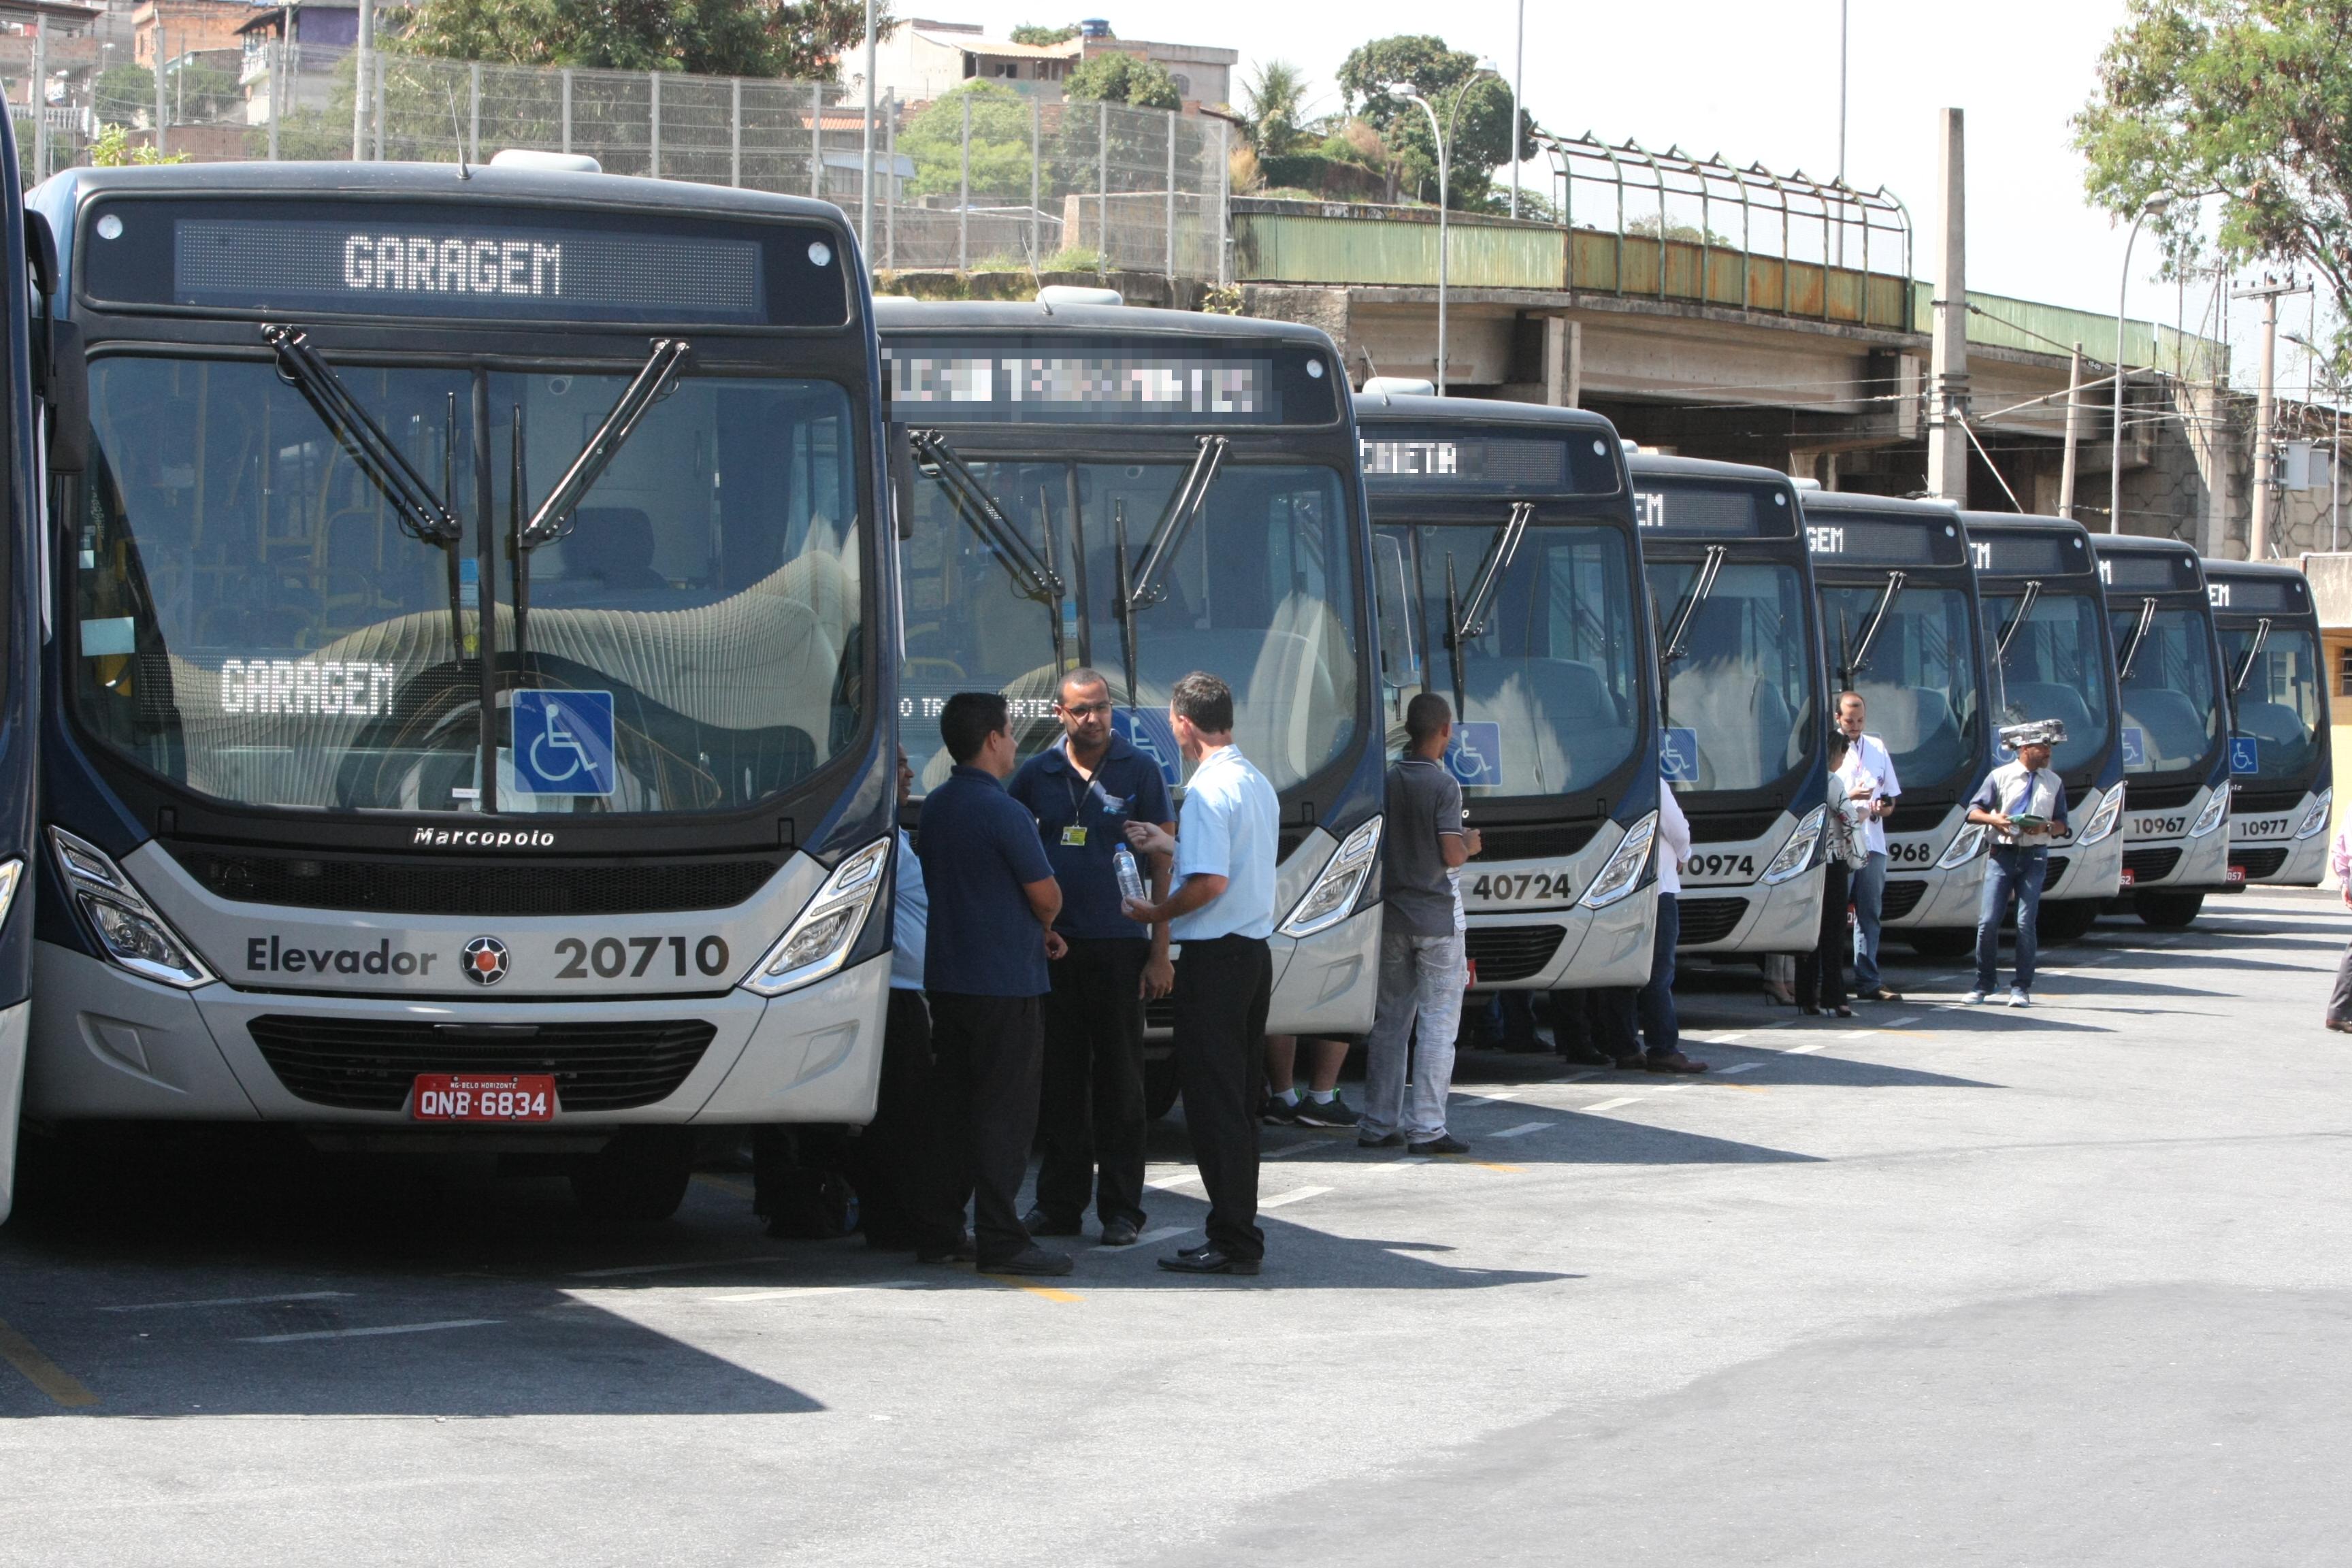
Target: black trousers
[1091,1117]
[1592,1018]
[1222,989]
[887,1157]
[985,1054]
[1821,973]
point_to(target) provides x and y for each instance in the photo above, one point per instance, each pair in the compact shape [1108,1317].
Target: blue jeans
[2018,871]
[1422,981]
[1869,886]
[1661,1031]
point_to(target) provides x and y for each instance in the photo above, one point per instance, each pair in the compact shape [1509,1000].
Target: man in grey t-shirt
[1422,968]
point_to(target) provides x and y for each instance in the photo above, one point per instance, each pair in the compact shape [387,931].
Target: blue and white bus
[1509,582]
[2282,766]
[25,350]
[2052,658]
[1901,624]
[2176,726]
[466,721]
[1723,552]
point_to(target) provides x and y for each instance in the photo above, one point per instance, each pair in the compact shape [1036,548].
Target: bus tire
[2068,919]
[1942,941]
[640,1175]
[2167,911]
[1159,1086]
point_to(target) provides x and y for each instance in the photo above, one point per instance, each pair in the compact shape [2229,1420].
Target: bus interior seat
[2174,730]
[613,548]
[1541,705]
[1911,721]
[2274,724]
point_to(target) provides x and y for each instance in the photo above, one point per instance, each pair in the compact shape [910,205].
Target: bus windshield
[1556,670]
[256,623]
[1740,683]
[2172,720]
[1259,591]
[2278,702]
[1918,674]
[2055,666]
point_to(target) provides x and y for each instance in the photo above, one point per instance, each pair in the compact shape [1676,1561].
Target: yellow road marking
[1047,1292]
[735,1185]
[42,1372]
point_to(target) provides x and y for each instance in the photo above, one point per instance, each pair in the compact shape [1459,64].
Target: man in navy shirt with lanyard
[991,931]
[1222,914]
[1083,793]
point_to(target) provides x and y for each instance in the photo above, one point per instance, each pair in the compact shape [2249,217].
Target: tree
[1116,78]
[1041,37]
[124,95]
[1000,142]
[1270,122]
[799,38]
[112,150]
[1483,138]
[2246,98]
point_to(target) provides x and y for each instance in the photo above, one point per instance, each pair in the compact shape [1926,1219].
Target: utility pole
[1842,80]
[2269,291]
[2074,435]
[866,185]
[362,58]
[1518,72]
[1947,396]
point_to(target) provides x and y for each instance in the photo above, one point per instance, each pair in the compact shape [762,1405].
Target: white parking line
[787,1292]
[1181,1178]
[1495,1098]
[1727,1040]
[1292,1196]
[1386,1166]
[1739,1066]
[1906,1019]
[1856,1033]
[232,1301]
[370,1333]
[1293,1148]
[1613,1104]
[1523,1129]
[1803,1050]
[671,1267]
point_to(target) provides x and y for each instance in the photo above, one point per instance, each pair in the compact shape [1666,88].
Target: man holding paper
[2024,803]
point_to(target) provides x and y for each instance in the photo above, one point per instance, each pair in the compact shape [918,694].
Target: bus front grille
[1709,919]
[2259,863]
[1543,841]
[2158,797]
[1512,952]
[1901,896]
[2151,865]
[475,886]
[369,1063]
[2052,869]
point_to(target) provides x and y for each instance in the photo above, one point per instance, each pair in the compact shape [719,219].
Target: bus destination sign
[1713,511]
[1423,460]
[1015,379]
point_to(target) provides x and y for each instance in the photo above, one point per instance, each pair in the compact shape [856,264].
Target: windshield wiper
[1701,589]
[1465,620]
[2024,609]
[655,380]
[423,514]
[1182,507]
[1858,653]
[2125,660]
[2253,651]
[1036,575]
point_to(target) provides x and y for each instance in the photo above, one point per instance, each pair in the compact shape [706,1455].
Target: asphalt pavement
[1937,1285]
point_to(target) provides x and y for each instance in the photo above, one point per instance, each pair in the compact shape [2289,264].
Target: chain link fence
[982,179]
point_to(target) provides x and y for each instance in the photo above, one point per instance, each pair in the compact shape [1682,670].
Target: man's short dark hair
[970,718]
[1081,678]
[1852,696]
[1425,716]
[1838,743]
[1204,699]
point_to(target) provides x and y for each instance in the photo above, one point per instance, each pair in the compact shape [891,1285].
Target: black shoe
[1037,1222]
[1279,1112]
[1628,1064]
[1119,1232]
[1675,1062]
[1444,1144]
[1033,1260]
[1385,1141]
[1208,1260]
[1586,1056]
[962,1251]
[1332,1113]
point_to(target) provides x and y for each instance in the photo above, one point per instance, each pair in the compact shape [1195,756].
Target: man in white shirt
[1652,1005]
[1869,771]
[1221,912]
[2024,803]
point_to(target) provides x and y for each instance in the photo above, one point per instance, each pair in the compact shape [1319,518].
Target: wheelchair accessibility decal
[2245,755]
[2134,746]
[1149,732]
[1475,757]
[1678,756]
[564,741]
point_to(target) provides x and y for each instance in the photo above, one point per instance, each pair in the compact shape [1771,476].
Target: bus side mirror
[62,380]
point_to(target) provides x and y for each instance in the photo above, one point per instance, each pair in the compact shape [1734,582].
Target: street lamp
[2155,206]
[1444,139]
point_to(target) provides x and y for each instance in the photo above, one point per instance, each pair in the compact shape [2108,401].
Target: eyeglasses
[1083,709]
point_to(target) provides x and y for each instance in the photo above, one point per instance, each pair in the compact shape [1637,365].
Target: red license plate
[476,1097]
[2128,877]
[2235,874]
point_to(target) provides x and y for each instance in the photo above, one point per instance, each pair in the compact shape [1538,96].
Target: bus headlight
[1327,903]
[2104,817]
[1622,874]
[2211,817]
[11,872]
[816,943]
[1966,845]
[1797,855]
[2313,821]
[127,927]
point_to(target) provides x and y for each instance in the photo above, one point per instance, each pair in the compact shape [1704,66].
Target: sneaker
[1444,1144]
[1332,1113]
[2018,998]
[1385,1141]
[1280,1113]
[1973,999]
[1032,1261]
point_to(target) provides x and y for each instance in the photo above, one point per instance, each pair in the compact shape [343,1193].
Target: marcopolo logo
[485,960]
[275,955]
[482,838]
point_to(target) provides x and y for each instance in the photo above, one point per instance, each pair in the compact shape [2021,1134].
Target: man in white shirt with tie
[2024,803]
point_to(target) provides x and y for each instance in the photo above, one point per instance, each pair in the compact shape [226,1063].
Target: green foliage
[1275,100]
[1000,142]
[112,150]
[802,39]
[1118,78]
[1043,38]
[1373,80]
[2252,98]
[1073,259]
[124,95]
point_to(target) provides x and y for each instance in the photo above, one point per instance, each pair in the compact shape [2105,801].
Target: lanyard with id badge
[1075,833]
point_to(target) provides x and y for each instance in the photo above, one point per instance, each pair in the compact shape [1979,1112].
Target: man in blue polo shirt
[1083,792]
[991,931]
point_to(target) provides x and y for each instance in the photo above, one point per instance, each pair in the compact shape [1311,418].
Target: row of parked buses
[469,616]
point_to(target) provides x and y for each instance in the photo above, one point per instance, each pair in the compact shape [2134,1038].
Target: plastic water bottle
[1131,879]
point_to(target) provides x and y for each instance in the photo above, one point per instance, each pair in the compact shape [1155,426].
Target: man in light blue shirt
[1222,912]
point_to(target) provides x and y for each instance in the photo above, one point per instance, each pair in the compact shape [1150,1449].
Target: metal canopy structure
[1675,200]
